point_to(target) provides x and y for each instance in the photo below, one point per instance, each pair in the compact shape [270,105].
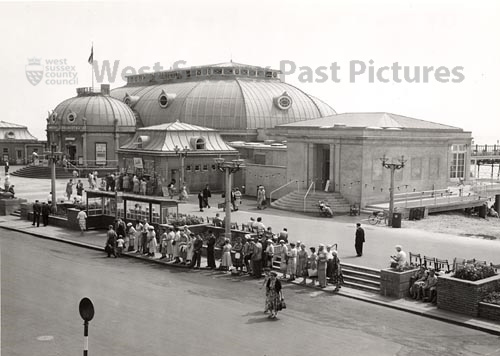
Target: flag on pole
[91,58]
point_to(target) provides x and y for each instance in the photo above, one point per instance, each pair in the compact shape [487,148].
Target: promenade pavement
[311,230]
[95,239]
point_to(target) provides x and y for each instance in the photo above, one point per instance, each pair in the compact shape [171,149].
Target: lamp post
[182,153]
[228,167]
[393,167]
[52,154]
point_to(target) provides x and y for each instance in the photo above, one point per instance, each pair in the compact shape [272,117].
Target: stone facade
[463,296]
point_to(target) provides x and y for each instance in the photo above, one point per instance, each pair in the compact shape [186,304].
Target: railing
[311,186]
[485,150]
[441,196]
[98,164]
[283,186]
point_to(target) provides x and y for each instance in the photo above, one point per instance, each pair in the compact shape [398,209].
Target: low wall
[463,296]
[489,311]
[8,206]
[395,284]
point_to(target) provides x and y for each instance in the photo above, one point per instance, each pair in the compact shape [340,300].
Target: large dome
[95,109]
[227,96]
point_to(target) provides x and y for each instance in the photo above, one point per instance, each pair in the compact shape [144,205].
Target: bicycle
[377,217]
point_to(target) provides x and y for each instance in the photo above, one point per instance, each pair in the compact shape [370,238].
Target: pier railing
[485,150]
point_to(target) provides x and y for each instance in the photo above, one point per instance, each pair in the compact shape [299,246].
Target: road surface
[147,309]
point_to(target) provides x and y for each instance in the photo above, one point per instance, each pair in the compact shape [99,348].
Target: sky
[454,42]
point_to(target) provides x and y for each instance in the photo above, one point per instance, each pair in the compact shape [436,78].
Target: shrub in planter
[474,271]
[406,267]
[492,298]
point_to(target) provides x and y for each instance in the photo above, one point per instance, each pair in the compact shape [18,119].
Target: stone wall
[489,311]
[463,296]
[395,284]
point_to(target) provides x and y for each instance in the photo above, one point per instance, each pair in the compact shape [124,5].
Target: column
[337,167]
[84,147]
[332,168]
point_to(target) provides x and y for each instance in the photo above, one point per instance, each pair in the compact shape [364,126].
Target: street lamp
[182,153]
[393,167]
[228,167]
[52,154]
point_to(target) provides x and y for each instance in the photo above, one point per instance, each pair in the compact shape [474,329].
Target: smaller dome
[96,108]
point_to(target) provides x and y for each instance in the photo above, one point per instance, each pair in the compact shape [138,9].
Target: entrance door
[72,153]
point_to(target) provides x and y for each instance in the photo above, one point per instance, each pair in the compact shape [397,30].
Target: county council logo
[34,70]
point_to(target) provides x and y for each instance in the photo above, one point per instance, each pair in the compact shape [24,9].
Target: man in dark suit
[37,209]
[211,250]
[360,240]
[45,213]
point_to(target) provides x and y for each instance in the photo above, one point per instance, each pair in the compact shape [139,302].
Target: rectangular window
[19,154]
[457,167]
[188,168]
[228,71]
[205,167]
[214,167]
[251,73]
[197,168]
[5,150]
[244,72]
[217,70]
[100,154]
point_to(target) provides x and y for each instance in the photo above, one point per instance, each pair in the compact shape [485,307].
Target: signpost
[86,309]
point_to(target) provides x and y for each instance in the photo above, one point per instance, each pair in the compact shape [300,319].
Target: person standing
[79,189]
[206,194]
[261,197]
[151,241]
[360,240]
[322,266]
[284,257]
[131,232]
[197,246]
[69,188]
[257,259]
[337,276]
[292,262]
[45,213]
[273,294]
[139,228]
[237,197]
[302,263]
[211,250]
[201,200]
[144,238]
[226,262]
[238,256]
[247,253]
[82,220]
[6,167]
[37,209]
[329,262]
[170,246]
[111,242]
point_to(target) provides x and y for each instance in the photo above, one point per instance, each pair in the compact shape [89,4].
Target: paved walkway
[96,240]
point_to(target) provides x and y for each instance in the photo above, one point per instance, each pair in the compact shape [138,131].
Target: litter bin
[396,220]
[483,209]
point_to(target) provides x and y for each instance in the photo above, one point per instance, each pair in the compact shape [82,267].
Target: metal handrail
[313,184]
[283,186]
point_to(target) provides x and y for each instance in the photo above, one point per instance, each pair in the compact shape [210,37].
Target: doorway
[72,153]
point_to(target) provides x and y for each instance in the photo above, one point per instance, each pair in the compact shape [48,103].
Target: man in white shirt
[400,257]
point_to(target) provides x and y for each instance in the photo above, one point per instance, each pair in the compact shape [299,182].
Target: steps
[61,172]
[295,202]
[362,278]
[42,172]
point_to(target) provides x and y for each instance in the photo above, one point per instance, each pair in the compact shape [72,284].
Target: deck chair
[416,259]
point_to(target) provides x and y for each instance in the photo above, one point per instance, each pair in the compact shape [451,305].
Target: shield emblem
[34,73]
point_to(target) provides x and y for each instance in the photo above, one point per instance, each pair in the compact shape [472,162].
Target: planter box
[463,296]
[395,284]
[489,311]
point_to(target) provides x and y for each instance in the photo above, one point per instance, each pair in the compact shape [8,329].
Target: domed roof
[96,107]
[226,96]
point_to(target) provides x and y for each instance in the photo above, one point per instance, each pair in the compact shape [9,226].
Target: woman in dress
[131,233]
[292,262]
[302,263]
[238,256]
[170,246]
[273,294]
[226,256]
[152,243]
[312,266]
[337,277]
[135,185]
[322,259]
